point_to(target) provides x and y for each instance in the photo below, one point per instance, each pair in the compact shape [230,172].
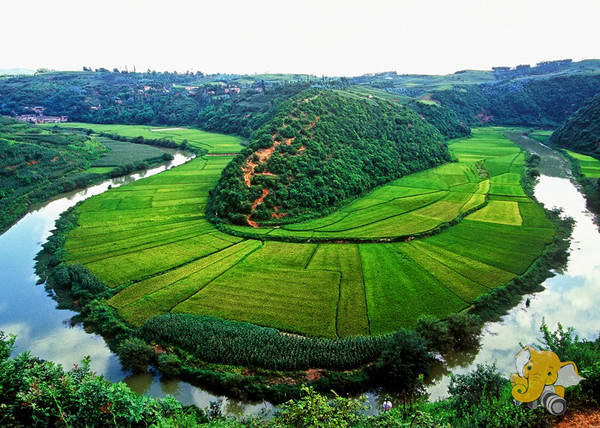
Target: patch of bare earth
[249,169]
[313,374]
[256,203]
[276,214]
[580,419]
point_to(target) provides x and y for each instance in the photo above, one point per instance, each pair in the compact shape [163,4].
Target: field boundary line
[108,256]
[312,255]
[377,221]
[145,277]
[185,277]
[478,261]
[364,286]
[428,254]
[436,280]
[216,277]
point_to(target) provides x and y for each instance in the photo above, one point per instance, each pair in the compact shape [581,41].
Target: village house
[38,118]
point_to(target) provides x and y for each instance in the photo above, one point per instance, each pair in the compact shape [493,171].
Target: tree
[401,363]
[135,355]
[435,333]
[465,329]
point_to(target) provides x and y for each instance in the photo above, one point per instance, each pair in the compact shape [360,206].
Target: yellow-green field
[150,240]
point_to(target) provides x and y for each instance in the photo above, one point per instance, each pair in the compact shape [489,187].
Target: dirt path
[256,203]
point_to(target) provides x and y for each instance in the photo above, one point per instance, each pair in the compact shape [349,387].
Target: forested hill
[533,102]
[322,148]
[581,132]
[444,119]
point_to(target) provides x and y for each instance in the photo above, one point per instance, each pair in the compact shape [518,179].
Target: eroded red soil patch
[33,162]
[313,374]
[277,214]
[259,157]
[256,203]
[580,419]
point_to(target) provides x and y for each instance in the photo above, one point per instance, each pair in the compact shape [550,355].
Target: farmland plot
[150,241]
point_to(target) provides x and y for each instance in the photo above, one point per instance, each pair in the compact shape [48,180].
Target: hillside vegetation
[443,118]
[323,148]
[581,131]
[545,102]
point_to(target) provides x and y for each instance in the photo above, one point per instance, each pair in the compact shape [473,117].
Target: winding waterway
[571,297]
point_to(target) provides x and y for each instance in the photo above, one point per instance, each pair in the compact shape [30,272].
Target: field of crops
[590,167]
[150,241]
[214,143]
[489,164]
[123,153]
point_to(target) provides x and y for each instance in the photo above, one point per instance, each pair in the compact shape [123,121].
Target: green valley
[151,243]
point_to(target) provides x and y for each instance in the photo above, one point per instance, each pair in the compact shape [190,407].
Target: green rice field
[123,153]
[590,167]
[150,242]
[214,143]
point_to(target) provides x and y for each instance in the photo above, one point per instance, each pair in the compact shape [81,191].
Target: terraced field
[150,242]
[590,167]
[214,143]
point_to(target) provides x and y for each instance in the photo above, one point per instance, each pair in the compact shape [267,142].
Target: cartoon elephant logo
[542,378]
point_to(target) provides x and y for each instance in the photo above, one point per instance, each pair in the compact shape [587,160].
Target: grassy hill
[323,148]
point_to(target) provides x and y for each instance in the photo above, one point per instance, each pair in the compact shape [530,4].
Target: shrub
[405,358]
[135,355]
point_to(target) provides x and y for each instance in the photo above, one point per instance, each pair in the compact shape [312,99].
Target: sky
[320,37]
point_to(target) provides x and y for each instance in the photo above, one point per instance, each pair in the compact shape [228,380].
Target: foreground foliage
[39,393]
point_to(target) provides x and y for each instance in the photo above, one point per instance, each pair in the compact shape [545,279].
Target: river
[571,297]
[27,311]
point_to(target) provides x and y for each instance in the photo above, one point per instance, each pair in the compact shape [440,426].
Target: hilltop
[321,149]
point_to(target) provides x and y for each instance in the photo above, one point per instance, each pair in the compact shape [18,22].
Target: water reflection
[26,310]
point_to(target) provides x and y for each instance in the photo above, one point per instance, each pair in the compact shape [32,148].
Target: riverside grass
[589,166]
[150,242]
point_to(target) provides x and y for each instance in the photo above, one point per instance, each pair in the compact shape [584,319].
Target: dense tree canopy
[444,119]
[322,148]
[525,101]
[581,131]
